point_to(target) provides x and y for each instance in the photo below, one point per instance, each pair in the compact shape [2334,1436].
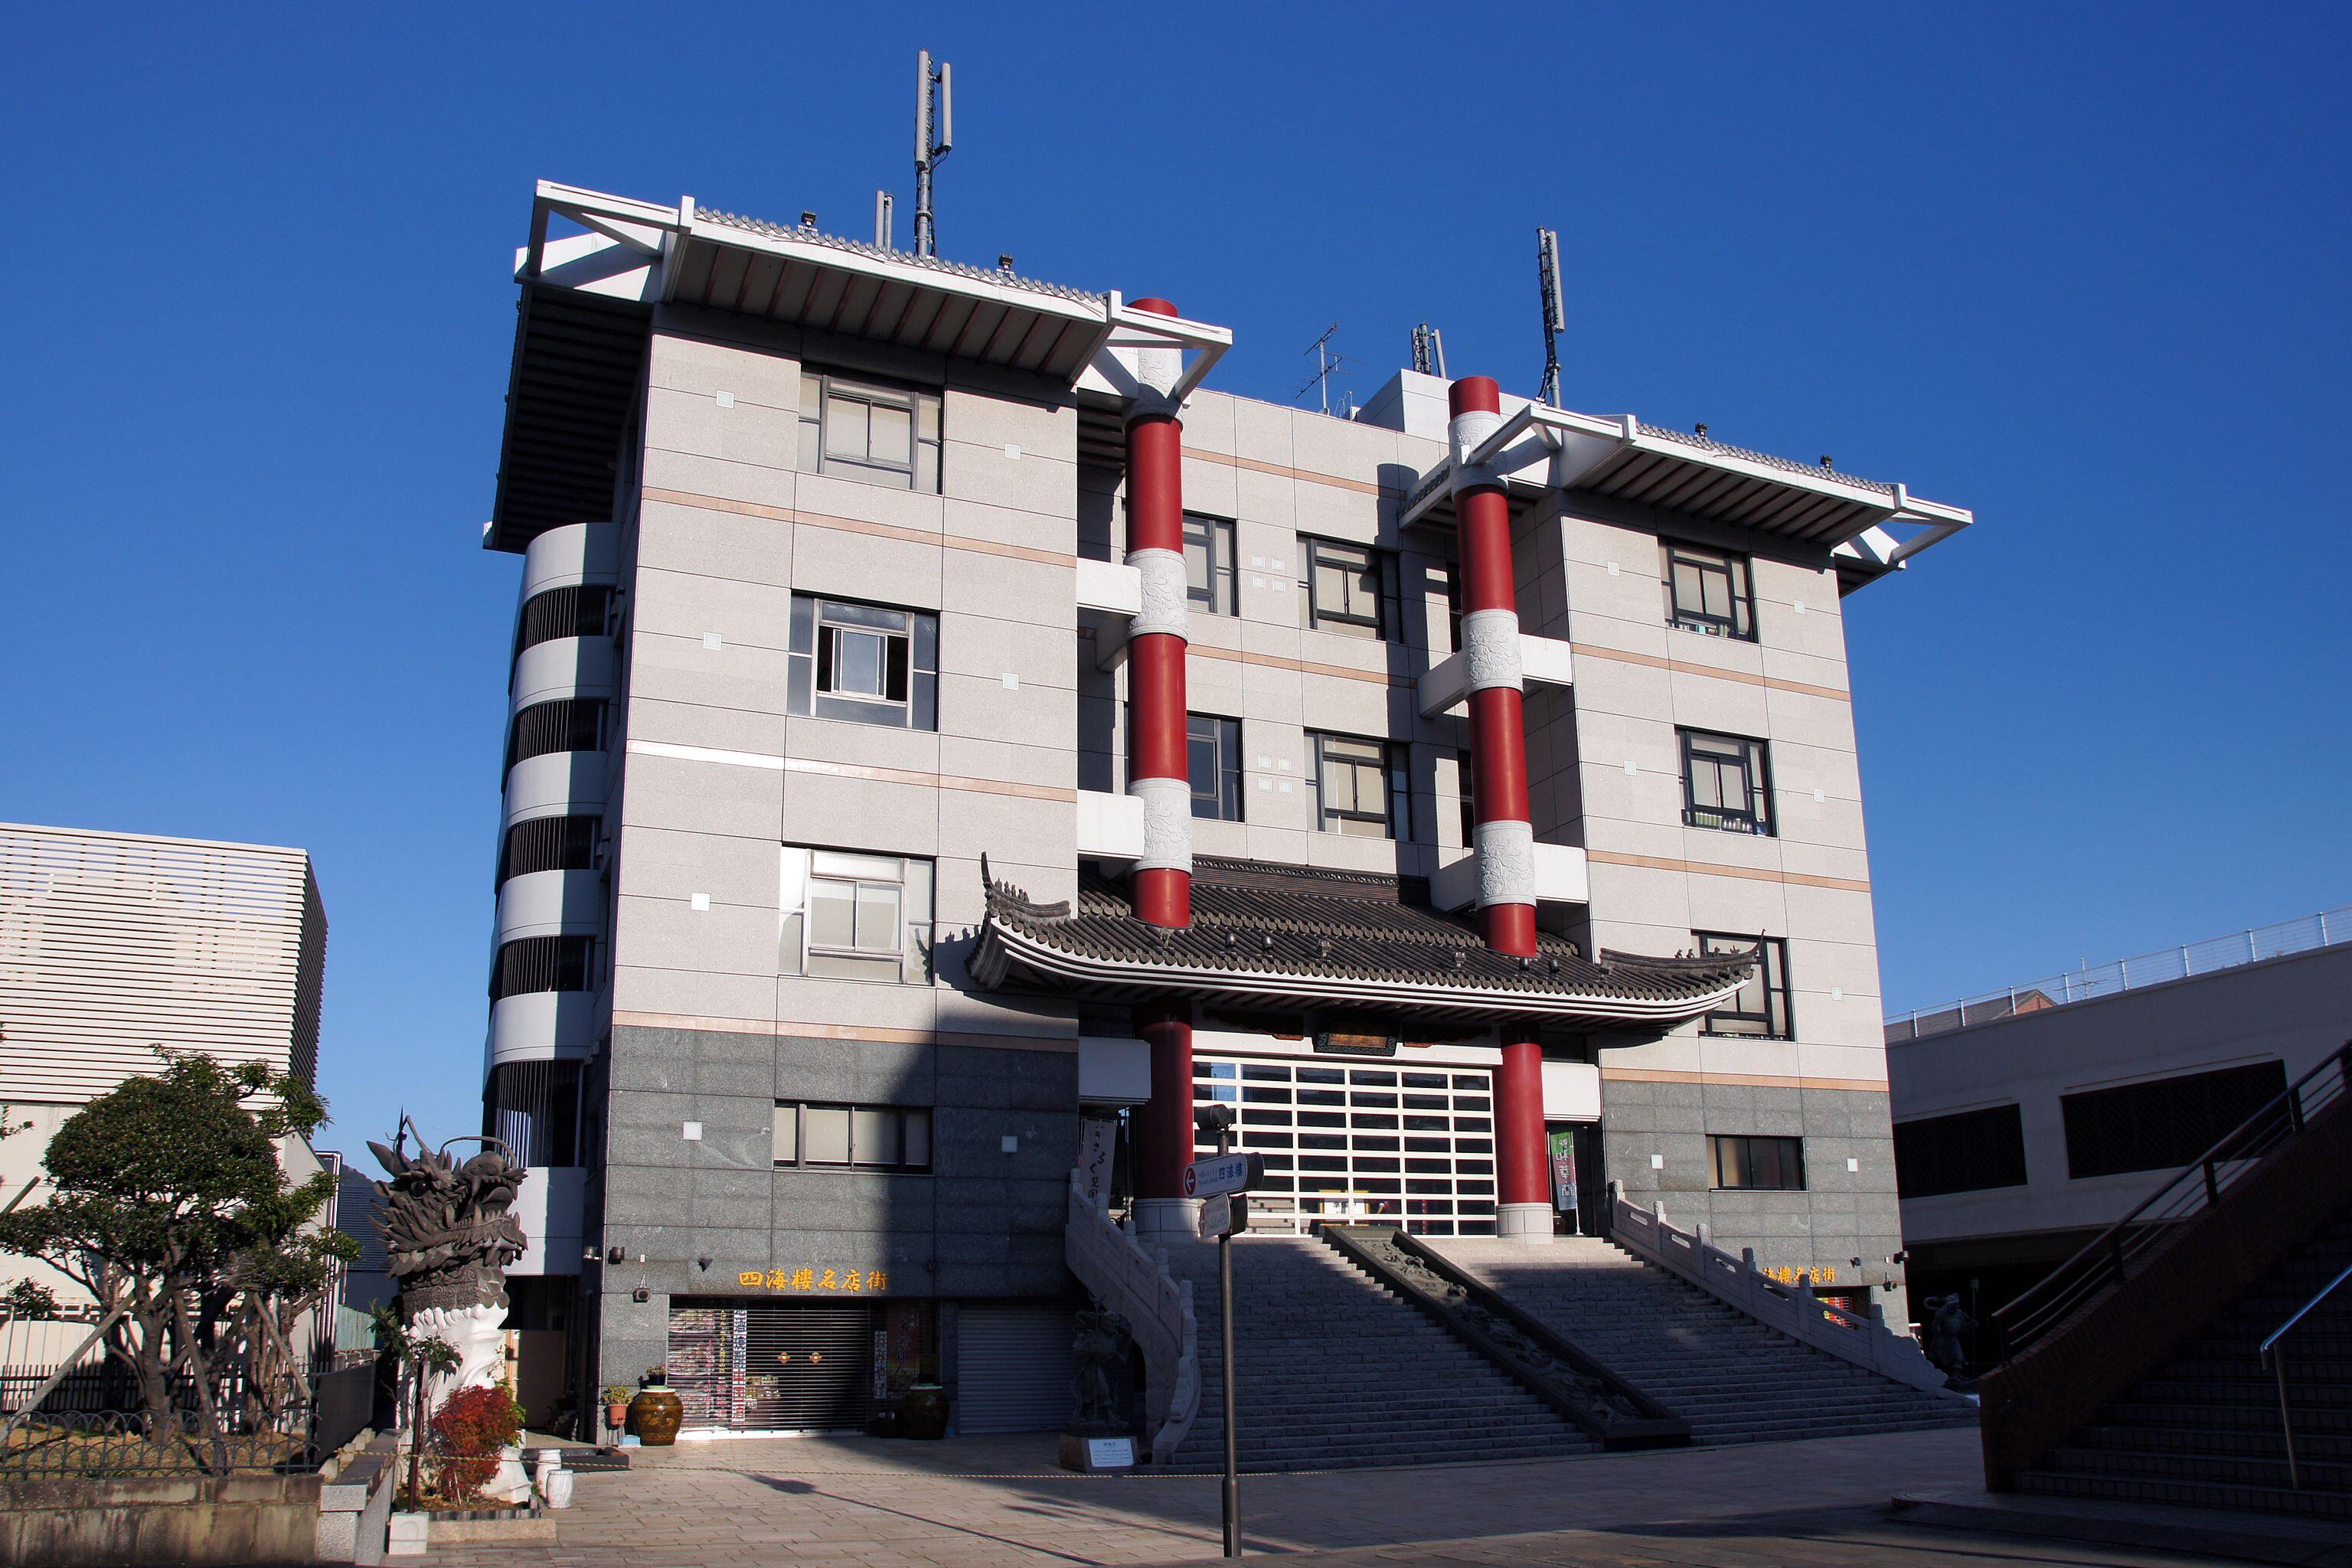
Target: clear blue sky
[2080,269]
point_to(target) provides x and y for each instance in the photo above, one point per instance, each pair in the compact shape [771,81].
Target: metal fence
[2326,929]
[104,1445]
[90,1424]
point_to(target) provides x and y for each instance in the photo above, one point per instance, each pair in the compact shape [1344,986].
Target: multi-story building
[112,944]
[945,735]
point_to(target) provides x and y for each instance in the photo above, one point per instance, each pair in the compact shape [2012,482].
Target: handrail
[2107,1259]
[2325,1292]
[2278,1370]
[1156,1306]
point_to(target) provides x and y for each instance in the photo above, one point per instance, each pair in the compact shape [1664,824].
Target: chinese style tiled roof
[1302,937]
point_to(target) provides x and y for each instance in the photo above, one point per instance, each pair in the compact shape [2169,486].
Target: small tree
[171,1205]
[418,1357]
[468,1430]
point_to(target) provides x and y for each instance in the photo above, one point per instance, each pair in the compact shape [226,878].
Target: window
[1350,589]
[1726,783]
[867,431]
[1761,1008]
[535,1108]
[1708,591]
[1967,1152]
[1361,787]
[1213,756]
[1765,1164]
[864,663]
[856,917]
[534,964]
[1468,786]
[1449,578]
[863,1137]
[1209,565]
[566,724]
[2170,1121]
[581,611]
[549,844]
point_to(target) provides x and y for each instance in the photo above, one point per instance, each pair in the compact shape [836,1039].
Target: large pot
[923,1412]
[654,1417]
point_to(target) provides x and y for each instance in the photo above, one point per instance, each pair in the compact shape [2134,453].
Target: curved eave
[1003,948]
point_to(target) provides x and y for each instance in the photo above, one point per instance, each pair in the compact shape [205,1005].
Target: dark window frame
[1219,593]
[1737,574]
[1223,736]
[1757,1154]
[533,965]
[1396,778]
[556,842]
[908,663]
[1964,1151]
[1382,624]
[1712,753]
[559,724]
[2163,1124]
[1778,1018]
[905,1115]
[827,394]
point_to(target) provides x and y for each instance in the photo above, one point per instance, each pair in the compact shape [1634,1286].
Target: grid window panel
[2166,1122]
[1752,1163]
[1362,787]
[1350,589]
[869,431]
[1354,1163]
[864,664]
[1209,578]
[1726,783]
[1764,1007]
[1971,1151]
[848,916]
[1213,756]
[860,1137]
[1708,591]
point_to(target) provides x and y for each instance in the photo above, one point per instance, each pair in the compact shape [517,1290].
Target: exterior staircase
[2203,1428]
[1335,1372]
[1735,1380]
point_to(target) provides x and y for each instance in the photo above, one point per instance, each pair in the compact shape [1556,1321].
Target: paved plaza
[998,1502]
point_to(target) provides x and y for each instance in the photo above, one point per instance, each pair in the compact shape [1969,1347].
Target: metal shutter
[1013,1369]
[774,1367]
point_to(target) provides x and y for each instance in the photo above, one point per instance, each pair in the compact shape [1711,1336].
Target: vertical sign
[738,1370]
[881,1363]
[1097,1140]
[1563,1174]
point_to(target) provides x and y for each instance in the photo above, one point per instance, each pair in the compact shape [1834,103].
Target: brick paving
[998,1502]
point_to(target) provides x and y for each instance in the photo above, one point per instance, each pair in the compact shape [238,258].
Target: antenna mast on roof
[1555,314]
[934,140]
[1429,351]
[1327,366]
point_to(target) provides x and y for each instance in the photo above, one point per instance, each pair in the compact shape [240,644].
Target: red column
[1504,837]
[1157,770]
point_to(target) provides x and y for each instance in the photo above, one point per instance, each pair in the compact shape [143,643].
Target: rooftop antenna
[1429,351]
[1327,366]
[1555,314]
[934,140]
[882,206]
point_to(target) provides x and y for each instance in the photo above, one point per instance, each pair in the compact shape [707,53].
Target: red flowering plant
[468,1430]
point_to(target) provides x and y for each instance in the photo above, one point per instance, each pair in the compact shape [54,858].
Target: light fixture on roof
[1004,261]
[1700,428]
[1825,460]
[808,218]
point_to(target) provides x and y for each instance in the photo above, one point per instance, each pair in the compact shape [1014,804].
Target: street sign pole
[1233,1489]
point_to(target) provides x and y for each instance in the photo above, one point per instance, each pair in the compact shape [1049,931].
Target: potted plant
[617,1405]
[656,1412]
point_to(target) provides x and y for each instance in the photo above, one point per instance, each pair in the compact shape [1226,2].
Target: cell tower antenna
[934,140]
[1327,366]
[882,206]
[1429,351]
[1555,313]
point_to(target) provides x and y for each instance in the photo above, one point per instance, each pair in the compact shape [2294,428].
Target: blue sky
[2080,269]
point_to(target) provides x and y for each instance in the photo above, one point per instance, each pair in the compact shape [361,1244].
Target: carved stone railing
[1157,1307]
[1564,1377]
[1862,1339]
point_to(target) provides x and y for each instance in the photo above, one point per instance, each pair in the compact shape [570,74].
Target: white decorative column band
[1157,371]
[1506,862]
[1463,434]
[1166,599]
[1167,823]
[1490,649]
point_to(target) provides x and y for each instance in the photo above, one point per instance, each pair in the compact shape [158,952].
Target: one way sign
[1221,1174]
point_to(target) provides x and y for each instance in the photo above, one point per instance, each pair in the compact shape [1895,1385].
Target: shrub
[468,1430]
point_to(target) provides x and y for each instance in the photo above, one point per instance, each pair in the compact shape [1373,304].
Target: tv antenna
[1555,314]
[1327,366]
[1429,351]
[934,140]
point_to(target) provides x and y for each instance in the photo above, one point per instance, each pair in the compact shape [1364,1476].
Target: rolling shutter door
[774,1367]
[1013,1369]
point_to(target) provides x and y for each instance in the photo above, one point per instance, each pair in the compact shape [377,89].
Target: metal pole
[2286,1426]
[1233,1487]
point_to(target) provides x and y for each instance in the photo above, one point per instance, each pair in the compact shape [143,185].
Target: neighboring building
[943,733]
[113,943]
[2029,1121]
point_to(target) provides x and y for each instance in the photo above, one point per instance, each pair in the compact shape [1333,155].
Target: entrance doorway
[1578,1202]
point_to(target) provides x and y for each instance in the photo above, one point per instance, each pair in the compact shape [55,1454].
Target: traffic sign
[1225,1215]
[1223,1173]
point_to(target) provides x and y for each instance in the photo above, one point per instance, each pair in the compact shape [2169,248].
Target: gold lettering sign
[832,1281]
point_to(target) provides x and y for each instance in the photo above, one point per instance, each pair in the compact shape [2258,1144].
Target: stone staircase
[2203,1428]
[1735,1380]
[1337,1372]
